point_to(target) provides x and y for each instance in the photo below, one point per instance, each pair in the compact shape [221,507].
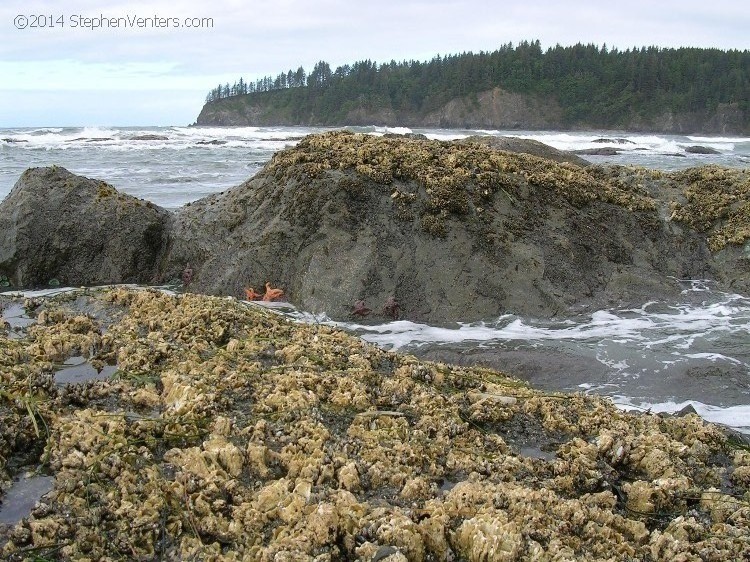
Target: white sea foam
[675,327]
[394,130]
[176,138]
[719,140]
[736,417]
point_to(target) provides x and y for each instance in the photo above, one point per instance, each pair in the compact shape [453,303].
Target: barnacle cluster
[229,433]
[717,202]
[438,180]
[451,179]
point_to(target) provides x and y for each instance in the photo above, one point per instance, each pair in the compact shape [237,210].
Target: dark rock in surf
[527,146]
[149,137]
[701,150]
[603,151]
[615,140]
[80,231]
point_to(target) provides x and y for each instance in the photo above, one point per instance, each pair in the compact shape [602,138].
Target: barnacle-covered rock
[717,201]
[486,537]
[451,231]
[336,450]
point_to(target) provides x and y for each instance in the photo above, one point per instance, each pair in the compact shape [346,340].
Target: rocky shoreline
[229,433]
[491,109]
[172,427]
[450,231]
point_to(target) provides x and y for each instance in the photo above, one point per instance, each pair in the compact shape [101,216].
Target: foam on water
[130,138]
[694,350]
[719,140]
[652,325]
[392,130]
[736,417]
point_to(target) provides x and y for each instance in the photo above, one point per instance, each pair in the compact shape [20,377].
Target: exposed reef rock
[447,230]
[149,137]
[73,230]
[701,150]
[228,433]
[603,151]
[451,230]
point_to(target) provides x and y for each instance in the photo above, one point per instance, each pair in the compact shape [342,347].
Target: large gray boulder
[450,230]
[59,226]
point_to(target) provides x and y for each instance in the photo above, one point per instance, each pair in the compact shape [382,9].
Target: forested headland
[521,86]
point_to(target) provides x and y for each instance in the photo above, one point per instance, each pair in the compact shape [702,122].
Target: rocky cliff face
[450,231]
[496,109]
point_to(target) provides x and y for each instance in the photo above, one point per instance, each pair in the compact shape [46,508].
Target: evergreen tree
[595,86]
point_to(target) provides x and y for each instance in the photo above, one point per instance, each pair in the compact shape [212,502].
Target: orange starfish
[272,294]
[251,294]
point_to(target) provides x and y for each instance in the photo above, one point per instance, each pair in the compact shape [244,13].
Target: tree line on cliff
[592,84]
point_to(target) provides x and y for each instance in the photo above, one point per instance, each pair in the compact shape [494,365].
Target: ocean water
[659,357]
[171,166]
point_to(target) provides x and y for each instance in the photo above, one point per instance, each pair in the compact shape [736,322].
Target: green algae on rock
[229,433]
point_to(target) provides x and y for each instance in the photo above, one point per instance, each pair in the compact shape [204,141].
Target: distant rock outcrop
[149,137]
[426,230]
[697,149]
[603,151]
[527,146]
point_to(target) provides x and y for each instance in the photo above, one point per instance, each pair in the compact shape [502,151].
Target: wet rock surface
[61,228]
[228,433]
[450,231]
[603,151]
[697,149]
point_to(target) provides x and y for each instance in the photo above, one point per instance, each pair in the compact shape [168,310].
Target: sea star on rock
[272,294]
[187,275]
[391,308]
[360,309]
[251,295]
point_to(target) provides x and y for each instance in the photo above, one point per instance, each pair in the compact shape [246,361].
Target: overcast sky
[56,69]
